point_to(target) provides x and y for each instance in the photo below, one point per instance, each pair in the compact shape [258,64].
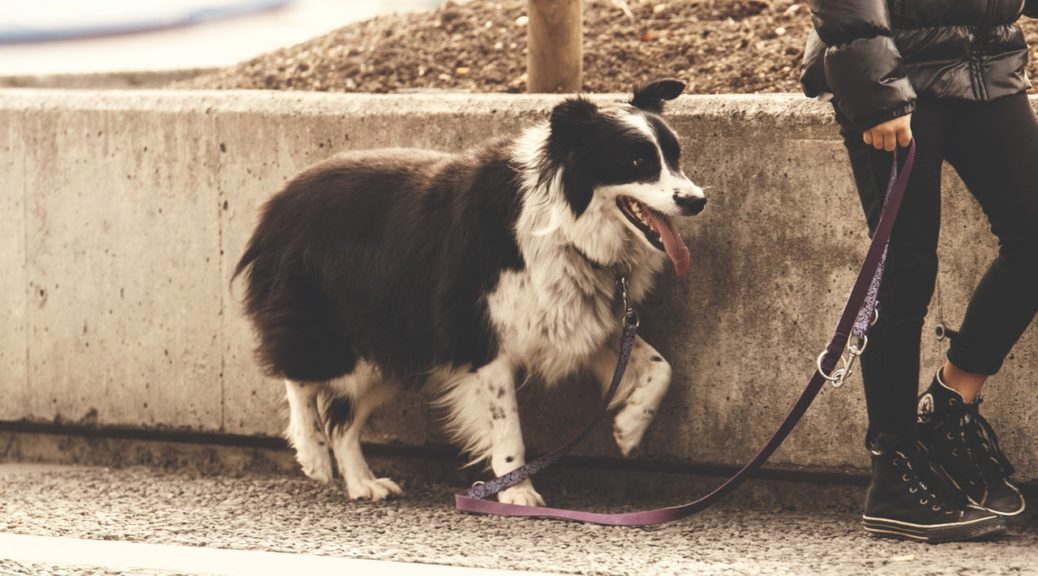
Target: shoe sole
[935,534]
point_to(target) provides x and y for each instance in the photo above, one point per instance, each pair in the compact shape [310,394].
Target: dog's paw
[316,464]
[373,489]
[521,494]
[628,428]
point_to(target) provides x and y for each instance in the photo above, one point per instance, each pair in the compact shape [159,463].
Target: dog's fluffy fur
[379,270]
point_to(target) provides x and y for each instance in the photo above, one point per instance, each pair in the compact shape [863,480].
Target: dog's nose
[690,205]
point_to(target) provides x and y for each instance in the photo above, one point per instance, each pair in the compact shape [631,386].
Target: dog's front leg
[507,451]
[484,418]
[641,390]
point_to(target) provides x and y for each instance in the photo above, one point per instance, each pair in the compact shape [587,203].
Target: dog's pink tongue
[672,243]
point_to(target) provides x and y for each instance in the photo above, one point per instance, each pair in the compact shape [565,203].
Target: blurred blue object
[48,20]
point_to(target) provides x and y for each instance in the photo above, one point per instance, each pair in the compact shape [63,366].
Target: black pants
[994,148]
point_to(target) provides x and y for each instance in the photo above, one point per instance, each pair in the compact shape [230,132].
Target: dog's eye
[639,163]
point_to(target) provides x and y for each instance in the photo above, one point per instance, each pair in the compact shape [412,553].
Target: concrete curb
[124,212]
[103,80]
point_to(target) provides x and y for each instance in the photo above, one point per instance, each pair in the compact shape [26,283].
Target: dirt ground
[715,46]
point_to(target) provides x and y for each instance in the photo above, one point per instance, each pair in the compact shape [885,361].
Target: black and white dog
[374,271]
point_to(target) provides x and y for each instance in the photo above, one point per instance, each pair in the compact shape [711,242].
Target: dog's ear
[578,188]
[571,120]
[650,97]
[571,130]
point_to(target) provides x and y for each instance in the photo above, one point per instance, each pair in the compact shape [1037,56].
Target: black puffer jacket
[875,56]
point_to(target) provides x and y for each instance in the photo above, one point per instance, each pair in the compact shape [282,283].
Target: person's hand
[891,134]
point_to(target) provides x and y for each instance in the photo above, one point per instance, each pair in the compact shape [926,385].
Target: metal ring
[478,490]
[837,374]
[941,331]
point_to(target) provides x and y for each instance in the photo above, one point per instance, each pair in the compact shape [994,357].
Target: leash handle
[856,317]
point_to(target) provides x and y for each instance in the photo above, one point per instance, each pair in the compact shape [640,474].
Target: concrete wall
[123,213]
[104,80]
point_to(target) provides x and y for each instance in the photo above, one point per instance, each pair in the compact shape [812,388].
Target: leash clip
[630,315]
[840,375]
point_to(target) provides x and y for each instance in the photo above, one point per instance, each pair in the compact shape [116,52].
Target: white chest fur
[550,327]
[552,317]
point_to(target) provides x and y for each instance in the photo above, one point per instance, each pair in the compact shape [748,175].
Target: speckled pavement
[275,513]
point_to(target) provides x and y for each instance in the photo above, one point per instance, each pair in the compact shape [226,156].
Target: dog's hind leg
[347,407]
[641,390]
[305,432]
[483,415]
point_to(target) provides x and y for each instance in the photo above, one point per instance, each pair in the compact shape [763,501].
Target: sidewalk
[208,45]
[264,513]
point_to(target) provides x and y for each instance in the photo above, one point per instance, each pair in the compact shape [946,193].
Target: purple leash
[858,315]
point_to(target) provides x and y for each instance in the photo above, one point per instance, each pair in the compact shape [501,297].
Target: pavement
[58,519]
[213,44]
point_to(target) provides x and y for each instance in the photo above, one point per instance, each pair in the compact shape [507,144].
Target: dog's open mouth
[658,230]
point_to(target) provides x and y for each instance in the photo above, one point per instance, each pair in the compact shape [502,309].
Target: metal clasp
[840,375]
[622,286]
[630,315]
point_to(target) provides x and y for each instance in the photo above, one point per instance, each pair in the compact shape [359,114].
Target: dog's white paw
[629,426]
[521,494]
[316,463]
[373,489]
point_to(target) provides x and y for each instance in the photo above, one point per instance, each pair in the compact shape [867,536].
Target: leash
[859,313]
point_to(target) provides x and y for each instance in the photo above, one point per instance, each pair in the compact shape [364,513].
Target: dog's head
[620,172]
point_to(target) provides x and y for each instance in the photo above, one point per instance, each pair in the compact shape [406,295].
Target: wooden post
[554,40]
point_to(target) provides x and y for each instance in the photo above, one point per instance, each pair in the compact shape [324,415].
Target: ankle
[967,384]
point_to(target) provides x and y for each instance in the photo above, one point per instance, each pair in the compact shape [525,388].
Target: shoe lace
[920,475]
[967,472]
[983,443]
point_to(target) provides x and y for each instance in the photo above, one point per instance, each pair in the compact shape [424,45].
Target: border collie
[375,271]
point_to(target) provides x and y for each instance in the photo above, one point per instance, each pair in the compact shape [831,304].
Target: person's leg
[890,365]
[967,384]
[994,148]
[905,499]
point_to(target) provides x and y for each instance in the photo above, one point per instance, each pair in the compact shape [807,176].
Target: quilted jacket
[877,56]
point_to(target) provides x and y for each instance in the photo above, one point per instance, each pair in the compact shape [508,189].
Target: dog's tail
[257,283]
[252,252]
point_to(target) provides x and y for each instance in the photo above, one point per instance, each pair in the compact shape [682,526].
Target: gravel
[715,46]
[295,515]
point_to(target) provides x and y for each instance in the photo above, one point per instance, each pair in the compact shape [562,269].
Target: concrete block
[123,272]
[14,387]
[139,205]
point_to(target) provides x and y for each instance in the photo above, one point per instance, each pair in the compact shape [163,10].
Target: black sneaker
[907,500]
[965,450]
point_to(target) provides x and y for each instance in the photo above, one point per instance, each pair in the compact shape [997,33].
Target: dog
[382,270]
